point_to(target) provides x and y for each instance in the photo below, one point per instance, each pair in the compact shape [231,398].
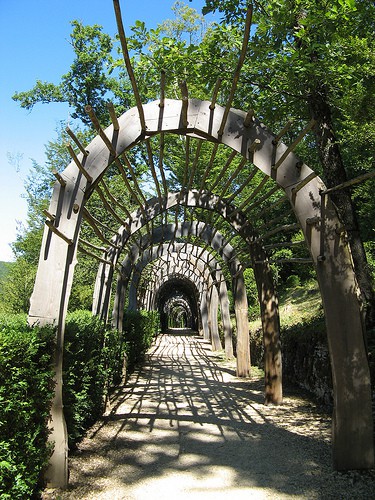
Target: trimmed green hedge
[140,327]
[93,363]
[25,398]
[83,373]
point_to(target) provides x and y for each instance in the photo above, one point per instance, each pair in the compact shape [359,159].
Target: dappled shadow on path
[185,426]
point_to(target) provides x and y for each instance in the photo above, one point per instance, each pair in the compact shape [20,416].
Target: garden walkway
[185,427]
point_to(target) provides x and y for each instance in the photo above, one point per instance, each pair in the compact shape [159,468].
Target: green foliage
[231,300]
[232,10]
[298,45]
[12,321]
[94,359]
[251,287]
[84,375]
[302,331]
[25,398]
[115,352]
[4,269]
[292,281]
[87,82]
[83,284]
[187,24]
[252,293]
[302,50]
[16,286]
[140,327]
[370,252]
[93,363]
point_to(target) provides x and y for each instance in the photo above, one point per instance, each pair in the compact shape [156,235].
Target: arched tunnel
[177,302]
[201,227]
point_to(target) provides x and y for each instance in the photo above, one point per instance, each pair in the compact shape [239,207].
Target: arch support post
[225,317]
[48,306]
[269,311]
[242,323]
[57,474]
[215,338]
[204,316]
[102,291]
[118,307]
[352,425]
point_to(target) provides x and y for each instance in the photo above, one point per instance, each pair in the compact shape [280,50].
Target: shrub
[293,281]
[370,254]
[93,363]
[84,377]
[94,360]
[140,327]
[12,322]
[26,391]
[115,356]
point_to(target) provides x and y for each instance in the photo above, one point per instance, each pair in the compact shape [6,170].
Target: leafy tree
[17,286]
[87,83]
[187,24]
[311,59]
[174,47]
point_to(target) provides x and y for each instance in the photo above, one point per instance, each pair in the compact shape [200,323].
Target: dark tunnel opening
[177,303]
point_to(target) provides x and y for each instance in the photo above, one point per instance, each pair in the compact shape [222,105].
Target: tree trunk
[334,173]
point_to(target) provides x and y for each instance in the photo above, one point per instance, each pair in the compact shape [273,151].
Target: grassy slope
[297,305]
[298,308]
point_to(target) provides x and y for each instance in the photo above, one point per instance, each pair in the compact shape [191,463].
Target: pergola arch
[183,285]
[225,250]
[263,275]
[164,233]
[197,273]
[183,251]
[316,215]
[172,308]
[155,207]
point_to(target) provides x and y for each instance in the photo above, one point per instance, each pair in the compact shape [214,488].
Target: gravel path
[185,427]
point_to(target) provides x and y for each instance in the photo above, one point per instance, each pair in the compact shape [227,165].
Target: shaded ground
[185,427]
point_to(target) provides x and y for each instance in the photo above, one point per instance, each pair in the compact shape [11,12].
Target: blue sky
[36,46]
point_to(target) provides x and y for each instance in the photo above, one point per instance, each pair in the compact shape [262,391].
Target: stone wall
[305,357]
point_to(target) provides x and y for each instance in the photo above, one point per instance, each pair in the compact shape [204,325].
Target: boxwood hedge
[93,363]
[25,397]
